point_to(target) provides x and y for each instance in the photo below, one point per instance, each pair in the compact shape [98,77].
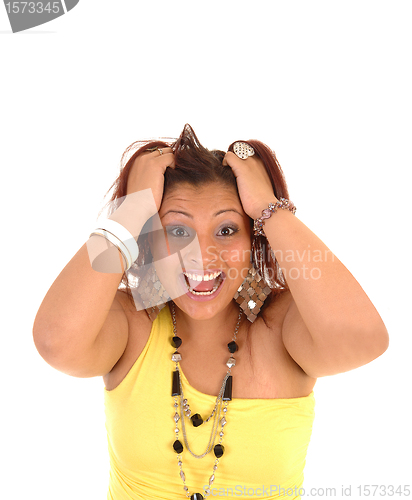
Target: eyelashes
[178,232]
[225,231]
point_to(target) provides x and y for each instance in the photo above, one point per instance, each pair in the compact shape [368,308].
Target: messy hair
[198,166]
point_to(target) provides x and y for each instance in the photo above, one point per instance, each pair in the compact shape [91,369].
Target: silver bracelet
[121,238]
[117,243]
[283,203]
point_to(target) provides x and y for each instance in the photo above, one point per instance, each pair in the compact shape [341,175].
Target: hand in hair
[147,172]
[253,182]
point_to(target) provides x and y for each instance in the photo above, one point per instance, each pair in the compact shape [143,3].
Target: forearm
[328,297]
[78,302]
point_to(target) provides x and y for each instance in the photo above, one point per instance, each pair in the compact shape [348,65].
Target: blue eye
[178,232]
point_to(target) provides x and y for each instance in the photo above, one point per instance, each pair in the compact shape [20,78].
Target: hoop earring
[252,294]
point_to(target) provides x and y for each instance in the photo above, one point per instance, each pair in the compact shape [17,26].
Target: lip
[202,298]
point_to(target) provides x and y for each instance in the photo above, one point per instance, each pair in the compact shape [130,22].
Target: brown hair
[196,165]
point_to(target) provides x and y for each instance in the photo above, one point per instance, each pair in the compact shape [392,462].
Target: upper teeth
[200,277]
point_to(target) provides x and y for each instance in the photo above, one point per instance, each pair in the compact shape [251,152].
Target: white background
[325,83]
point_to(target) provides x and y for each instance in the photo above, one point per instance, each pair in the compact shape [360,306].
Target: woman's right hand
[147,172]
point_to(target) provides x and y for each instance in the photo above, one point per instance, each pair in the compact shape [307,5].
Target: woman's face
[203,254]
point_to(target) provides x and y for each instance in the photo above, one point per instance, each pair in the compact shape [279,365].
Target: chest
[263,369]
[263,438]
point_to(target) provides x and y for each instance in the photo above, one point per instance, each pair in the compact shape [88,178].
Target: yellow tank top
[265,440]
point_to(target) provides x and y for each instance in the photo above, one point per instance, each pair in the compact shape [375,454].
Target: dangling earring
[252,293]
[152,293]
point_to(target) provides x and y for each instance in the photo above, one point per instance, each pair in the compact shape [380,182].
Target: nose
[200,253]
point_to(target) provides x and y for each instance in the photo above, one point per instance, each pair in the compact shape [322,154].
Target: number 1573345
[33,7]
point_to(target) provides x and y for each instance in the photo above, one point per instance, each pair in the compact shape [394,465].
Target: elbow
[351,351]
[379,341]
[42,341]
[366,340]
[46,345]
[56,352]
[367,346]
[45,336]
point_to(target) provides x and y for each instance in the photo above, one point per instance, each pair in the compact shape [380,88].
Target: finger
[162,155]
[228,156]
[157,151]
[166,158]
[163,151]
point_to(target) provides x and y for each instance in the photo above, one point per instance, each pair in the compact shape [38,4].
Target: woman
[213,395]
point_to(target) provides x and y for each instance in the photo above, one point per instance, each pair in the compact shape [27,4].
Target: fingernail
[26,15]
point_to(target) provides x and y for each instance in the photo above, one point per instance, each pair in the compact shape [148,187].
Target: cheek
[158,245]
[239,255]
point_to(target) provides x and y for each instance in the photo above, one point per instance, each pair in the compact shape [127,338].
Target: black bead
[177,446]
[176,342]
[227,395]
[232,346]
[176,383]
[196,496]
[196,420]
[219,450]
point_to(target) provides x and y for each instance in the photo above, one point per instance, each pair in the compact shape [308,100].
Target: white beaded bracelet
[121,238]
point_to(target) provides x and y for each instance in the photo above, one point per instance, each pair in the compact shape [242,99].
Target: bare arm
[81,327]
[331,325]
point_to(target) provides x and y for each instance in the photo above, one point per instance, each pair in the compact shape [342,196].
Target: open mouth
[203,284]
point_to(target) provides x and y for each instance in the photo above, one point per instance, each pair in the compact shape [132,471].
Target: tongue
[202,286]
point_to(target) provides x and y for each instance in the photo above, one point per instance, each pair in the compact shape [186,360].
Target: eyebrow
[186,214]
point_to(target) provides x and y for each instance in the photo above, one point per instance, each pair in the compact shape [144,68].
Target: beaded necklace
[218,414]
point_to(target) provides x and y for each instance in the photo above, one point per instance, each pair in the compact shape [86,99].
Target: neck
[207,331]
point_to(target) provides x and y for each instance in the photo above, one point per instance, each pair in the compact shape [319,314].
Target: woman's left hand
[255,189]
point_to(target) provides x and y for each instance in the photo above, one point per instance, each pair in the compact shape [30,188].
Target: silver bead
[182,475]
[176,356]
[223,422]
[176,417]
[211,479]
[231,362]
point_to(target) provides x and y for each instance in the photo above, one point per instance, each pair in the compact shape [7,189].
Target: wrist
[135,210]
[263,205]
[269,211]
[121,238]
